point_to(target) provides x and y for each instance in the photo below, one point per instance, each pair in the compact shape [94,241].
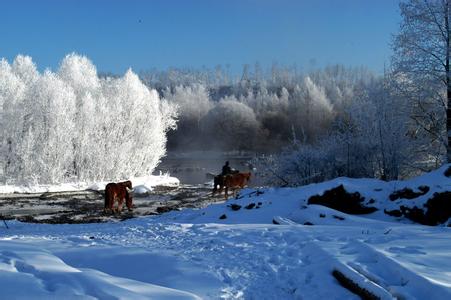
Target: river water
[198,167]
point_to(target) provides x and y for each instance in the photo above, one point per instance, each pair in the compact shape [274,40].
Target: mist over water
[72,125]
[198,167]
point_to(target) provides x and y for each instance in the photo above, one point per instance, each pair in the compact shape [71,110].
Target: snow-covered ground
[231,252]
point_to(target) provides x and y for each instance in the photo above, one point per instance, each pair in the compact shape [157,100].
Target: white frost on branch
[72,125]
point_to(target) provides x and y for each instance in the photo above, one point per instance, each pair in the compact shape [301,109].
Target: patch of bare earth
[87,206]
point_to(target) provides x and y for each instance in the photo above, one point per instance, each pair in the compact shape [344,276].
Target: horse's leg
[129,202]
[120,204]
[106,205]
[114,209]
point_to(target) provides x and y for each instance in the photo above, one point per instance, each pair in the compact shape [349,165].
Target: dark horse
[118,192]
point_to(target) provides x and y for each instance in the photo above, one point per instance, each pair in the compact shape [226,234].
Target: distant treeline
[335,121]
[257,111]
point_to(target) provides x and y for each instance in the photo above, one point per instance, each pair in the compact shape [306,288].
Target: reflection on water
[198,168]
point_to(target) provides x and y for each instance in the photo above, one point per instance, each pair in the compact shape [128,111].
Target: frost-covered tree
[193,104]
[72,125]
[422,51]
[369,138]
[232,125]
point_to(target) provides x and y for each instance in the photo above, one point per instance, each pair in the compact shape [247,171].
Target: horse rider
[226,169]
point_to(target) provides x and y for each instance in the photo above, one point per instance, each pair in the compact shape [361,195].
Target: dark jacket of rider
[226,169]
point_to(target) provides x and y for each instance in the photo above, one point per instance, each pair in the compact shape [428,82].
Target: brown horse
[218,181]
[235,182]
[118,192]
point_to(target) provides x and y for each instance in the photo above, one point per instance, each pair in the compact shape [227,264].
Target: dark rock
[393,213]
[275,222]
[234,206]
[415,214]
[407,193]
[437,210]
[223,217]
[250,206]
[163,209]
[424,188]
[339,199]
[91,237]
[447,172]
[308,223]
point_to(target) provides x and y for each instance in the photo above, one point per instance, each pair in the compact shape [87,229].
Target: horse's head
[247,176]
[128,186]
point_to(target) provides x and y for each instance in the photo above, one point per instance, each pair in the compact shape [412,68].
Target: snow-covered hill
[268,244]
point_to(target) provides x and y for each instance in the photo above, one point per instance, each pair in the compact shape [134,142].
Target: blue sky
[140,34]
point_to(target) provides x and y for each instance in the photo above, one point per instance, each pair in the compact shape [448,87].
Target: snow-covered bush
[72,125]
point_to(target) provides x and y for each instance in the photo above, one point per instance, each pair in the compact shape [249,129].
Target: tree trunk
[448,84]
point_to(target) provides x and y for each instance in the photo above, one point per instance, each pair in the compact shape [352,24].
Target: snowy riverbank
[268,244]
[142,184]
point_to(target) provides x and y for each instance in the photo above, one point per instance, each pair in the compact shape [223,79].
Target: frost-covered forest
[324,123]
[71,125]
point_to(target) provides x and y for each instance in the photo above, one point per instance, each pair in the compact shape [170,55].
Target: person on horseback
[219,179]
[226,169]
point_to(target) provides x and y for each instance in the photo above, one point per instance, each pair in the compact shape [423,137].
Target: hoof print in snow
[339,199]
[338,217]
[223,217]
[235,207]
[250,206]
[275,222]
[407,193]
[322,215]
[308,223]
